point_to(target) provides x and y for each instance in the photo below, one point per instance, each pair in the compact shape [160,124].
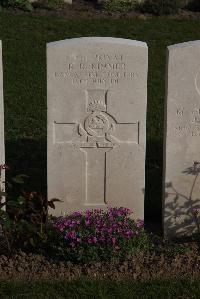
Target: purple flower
[87,222]
[97,226]
[88,212]
[70,235]
[77,214]
[140,223]
[129,233]
[114,240]
[89,240]
[94,240]
[110,230]
[98,211]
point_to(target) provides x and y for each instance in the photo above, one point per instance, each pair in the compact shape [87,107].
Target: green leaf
[51,202]
[55,200]
[2,193]
[9,185]
[28,6]
[19,179]
[21,200]
[32,242]
[12,203]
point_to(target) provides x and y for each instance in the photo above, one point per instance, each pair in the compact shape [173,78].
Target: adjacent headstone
[2,150]
[97,94]
[182,140]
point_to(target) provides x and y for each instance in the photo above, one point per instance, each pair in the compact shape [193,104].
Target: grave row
[97,98]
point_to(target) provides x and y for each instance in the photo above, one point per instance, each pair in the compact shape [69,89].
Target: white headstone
[2,150]
[182,140]
[97,94]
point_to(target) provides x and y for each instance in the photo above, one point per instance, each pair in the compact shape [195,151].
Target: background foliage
[161,7]
[156,7]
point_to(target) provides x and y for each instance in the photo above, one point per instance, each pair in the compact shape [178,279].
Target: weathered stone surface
[97,89]
[182,154]
[2,150]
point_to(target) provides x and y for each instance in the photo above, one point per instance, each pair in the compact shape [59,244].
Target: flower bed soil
[91,10]
[141,266]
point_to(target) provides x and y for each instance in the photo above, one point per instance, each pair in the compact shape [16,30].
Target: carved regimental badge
[98,126]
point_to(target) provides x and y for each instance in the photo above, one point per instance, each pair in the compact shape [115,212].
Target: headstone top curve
[88,40]
[184,45]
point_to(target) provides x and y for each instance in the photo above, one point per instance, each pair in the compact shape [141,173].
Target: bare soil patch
[143,266]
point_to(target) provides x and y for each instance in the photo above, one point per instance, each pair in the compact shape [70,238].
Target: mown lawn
[24,41]
[82,289]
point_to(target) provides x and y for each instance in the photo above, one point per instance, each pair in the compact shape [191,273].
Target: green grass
[24,42]
[82,289]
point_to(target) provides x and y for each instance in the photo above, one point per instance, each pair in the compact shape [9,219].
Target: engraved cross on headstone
[96,136]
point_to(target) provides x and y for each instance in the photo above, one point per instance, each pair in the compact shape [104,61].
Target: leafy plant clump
[28,6]
[22,4]
[96,235]
[161,7]
[49,4]
[121,5]
[23,222]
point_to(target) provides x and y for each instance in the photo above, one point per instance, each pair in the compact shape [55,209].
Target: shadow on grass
[28,156]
